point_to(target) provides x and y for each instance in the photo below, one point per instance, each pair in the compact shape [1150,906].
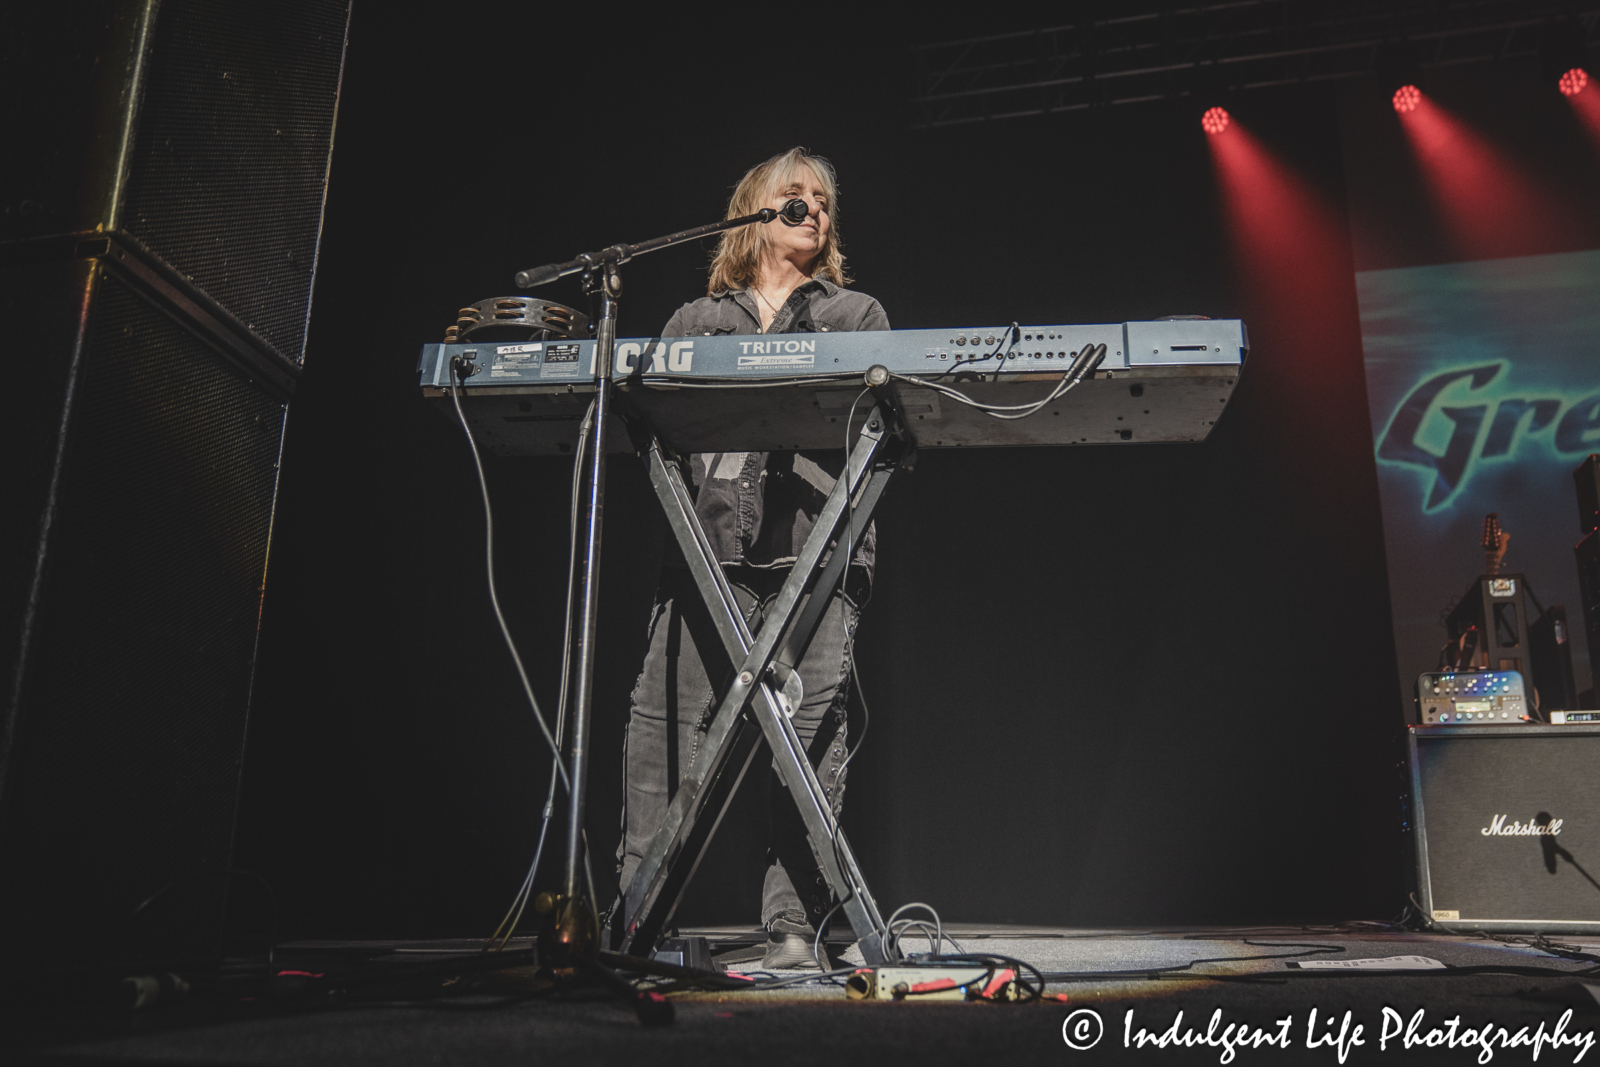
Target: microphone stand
[571,930]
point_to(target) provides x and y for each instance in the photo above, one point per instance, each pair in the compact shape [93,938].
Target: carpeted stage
[1253,976]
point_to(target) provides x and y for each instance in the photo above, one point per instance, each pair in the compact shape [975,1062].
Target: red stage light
[1214,121]
[1573,81]
[1406,98]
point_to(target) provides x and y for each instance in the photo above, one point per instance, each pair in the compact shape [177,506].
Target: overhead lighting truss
[1207,50]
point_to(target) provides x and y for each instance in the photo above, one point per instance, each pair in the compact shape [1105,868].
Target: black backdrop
[1140,685]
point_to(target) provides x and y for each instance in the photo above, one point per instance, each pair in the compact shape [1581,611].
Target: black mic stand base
[568,951]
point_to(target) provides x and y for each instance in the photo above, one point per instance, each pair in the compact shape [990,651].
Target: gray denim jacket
[758,507]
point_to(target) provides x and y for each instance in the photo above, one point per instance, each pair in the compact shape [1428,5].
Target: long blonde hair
[738,254]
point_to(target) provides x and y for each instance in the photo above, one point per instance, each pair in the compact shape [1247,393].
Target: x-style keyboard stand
[751,711]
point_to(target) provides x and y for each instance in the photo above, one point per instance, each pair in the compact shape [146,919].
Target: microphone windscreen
[527,279]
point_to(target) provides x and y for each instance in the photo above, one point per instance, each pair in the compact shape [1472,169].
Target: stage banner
[1483,381]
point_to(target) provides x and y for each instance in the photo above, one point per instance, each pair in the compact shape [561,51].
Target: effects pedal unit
[1461,698]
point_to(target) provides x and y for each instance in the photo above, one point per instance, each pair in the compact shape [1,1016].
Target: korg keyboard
[1166,380]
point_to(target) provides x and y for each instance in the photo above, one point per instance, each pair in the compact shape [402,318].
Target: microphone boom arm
[619,253]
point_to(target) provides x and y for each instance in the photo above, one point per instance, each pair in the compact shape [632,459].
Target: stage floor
[1117,983]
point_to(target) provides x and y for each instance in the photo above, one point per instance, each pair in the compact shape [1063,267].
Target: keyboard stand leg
[764,660]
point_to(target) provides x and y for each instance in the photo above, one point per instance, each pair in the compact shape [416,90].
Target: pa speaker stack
[162,190]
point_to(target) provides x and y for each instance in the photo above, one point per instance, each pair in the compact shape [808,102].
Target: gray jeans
[686,672]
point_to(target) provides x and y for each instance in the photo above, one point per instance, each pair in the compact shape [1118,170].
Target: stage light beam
[1214,121]
[1406,98]
[1294,286]
[1585,104]
[1290,246]
[1490,205]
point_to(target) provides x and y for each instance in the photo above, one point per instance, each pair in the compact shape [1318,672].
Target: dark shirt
[758,508]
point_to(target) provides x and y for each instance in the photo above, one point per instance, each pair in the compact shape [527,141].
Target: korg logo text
[678,359]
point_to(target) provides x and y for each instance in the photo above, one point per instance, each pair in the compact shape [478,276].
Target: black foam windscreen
[1506,824]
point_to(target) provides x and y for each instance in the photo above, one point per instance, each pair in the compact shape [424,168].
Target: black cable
[779,983]
[961,366]
[494,598]
[989,958]
[1419,916]
[838,861]
[1310,950]
[866,714]
[1082,364]
[519,903]
[1278,976]
[1543,944]
[1008,341]
[936,936]
[816,942]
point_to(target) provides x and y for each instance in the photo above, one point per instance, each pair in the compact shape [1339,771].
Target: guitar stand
[753,708]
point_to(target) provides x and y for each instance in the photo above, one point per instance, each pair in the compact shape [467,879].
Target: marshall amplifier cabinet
[1505,826]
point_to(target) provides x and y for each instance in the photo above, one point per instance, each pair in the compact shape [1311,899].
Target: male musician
[757,509]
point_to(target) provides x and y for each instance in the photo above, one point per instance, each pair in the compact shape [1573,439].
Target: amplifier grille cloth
[1468,782]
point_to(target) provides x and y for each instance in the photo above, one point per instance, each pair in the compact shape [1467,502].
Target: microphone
[794,212]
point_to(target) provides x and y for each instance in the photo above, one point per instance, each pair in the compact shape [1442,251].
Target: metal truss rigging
[1207,50]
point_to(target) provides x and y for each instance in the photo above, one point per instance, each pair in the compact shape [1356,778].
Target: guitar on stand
[1495,543]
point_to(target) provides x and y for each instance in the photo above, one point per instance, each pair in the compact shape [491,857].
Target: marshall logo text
[1500,828]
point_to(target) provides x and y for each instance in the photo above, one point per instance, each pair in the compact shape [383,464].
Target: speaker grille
[233,147]
[140,678]
[1476,782]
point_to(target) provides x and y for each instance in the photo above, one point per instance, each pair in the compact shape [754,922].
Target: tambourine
[517,318]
